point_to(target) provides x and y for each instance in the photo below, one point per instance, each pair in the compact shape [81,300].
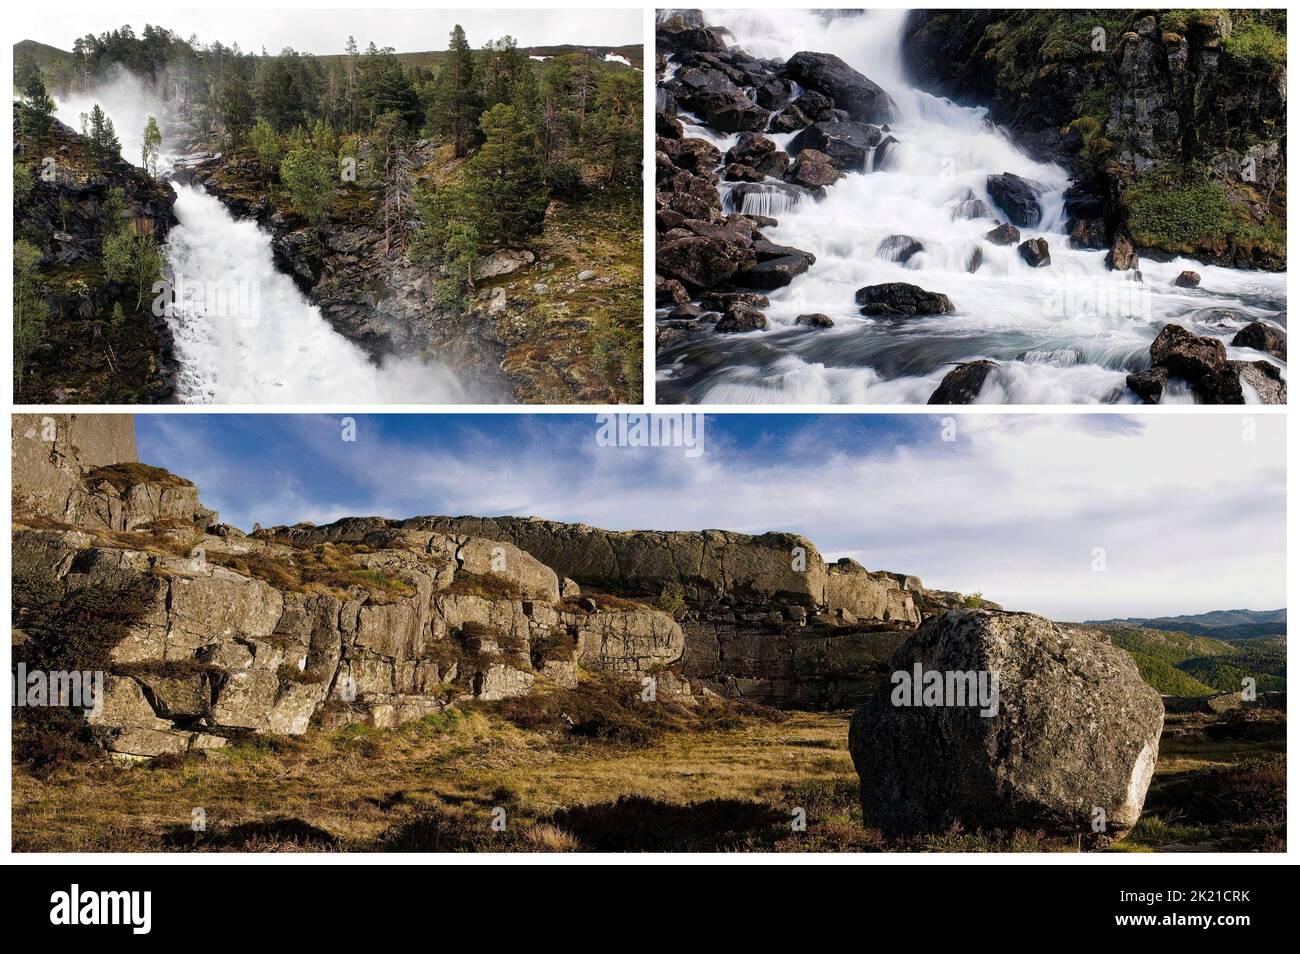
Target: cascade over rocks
[963,383]
[1202,362]
[845,144]
[1035,252]
[1075,729]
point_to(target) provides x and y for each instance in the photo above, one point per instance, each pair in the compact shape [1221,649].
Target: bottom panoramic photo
[648,633]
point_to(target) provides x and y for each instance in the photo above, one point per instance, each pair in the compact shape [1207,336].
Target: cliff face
[208,634]
[83,355]
[1174,122]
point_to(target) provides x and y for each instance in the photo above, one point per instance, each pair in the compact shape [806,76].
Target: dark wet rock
[687,311]
[690,153]
[813,169]
[845,144]
[975,259]
[718,101]
[1187,279]
[775,94]
[962,384]
[1262,337]
[740,317]
[1264,378]
[1149,385]
[902,300]
[765,251]
[1122,256]
[735,172]
[815,321]
[697,39]
[899,248]
[1075,729]
[699,263]
[774,272]
[667,125]
[883,152]
[758,152]
[1017,199]
[669,291]
[1005,234]
[721,301]
[1088,233]
[1202,362]
[794,193]
[1035,252]
[852,92]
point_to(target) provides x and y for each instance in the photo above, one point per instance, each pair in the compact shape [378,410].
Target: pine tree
[507,177]
[236,109]
[310,175]
[30,310]
[38,117]
[103,146]
[458,101]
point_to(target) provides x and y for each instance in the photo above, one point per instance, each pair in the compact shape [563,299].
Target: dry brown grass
[323,569]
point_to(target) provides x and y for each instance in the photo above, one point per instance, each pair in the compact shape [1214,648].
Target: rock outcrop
[1064,741]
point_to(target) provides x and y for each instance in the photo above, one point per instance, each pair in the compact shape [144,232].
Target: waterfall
[243,332]
[1069,332]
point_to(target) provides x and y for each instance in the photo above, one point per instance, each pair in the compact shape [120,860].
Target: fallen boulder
[851,91]
[1007,721]
[1017,198]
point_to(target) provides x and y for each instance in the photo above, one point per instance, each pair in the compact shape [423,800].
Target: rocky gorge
[209,636]
[1067,203]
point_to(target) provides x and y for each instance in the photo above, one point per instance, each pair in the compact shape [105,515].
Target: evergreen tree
[30,310]
[309,174]
[38,117]
[457,102]
[266,144]
[236,109]
[103,145]
[507,175]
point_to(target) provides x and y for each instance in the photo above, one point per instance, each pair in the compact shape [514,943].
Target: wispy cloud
[1075,516]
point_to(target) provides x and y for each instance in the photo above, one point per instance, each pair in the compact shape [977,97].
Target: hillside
[1183,664]
[1220,624]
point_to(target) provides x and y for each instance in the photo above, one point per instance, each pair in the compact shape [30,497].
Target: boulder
[1069,740]
[845,144]
[1202,362]
[697,262]
[852,92]
[1263,378]
[739,317]
[814,321]
[1005,234]
[899,299]
[1017,199]
[963,383]
[774,272]
[971,208]
[717,100]
[1262,337]
[813,169]
[504,261]
[760,153]
[1187,279]
[1035,252]
[735,172]
[1149,385]
[1122,256]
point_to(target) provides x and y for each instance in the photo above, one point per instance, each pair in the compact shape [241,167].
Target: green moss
[1256,42]
[1172,210]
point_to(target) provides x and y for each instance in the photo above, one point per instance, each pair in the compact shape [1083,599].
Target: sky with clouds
[1187,512]
[326,30]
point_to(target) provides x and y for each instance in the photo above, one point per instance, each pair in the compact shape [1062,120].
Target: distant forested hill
[1221,624]
[1186,664]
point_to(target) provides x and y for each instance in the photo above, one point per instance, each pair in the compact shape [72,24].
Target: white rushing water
[243,332]
[1066,333]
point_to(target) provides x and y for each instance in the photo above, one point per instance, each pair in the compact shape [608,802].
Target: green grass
[1256,42]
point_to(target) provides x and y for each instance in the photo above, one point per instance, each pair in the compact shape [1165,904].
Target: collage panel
[625,633]
[402,207]
[1016,206]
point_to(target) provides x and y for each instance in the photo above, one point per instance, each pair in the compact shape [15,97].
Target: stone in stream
[1035,252]
[1066,737]
[1264,378]
[899,248]
[852,92]
[1122,256]
[759,153]
[1004,234]
[1187,279]
[845,144]
[1017,198]
[962,384]
[813,169]
[740,317]
[775,272]
[1201,362]
[815,321]
[900,299]
[1262,337]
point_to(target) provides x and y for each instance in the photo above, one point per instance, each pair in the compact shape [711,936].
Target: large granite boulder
[1017,199]
[1064,741]
[852,92]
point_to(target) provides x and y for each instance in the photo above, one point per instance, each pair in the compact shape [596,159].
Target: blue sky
[1186,512]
